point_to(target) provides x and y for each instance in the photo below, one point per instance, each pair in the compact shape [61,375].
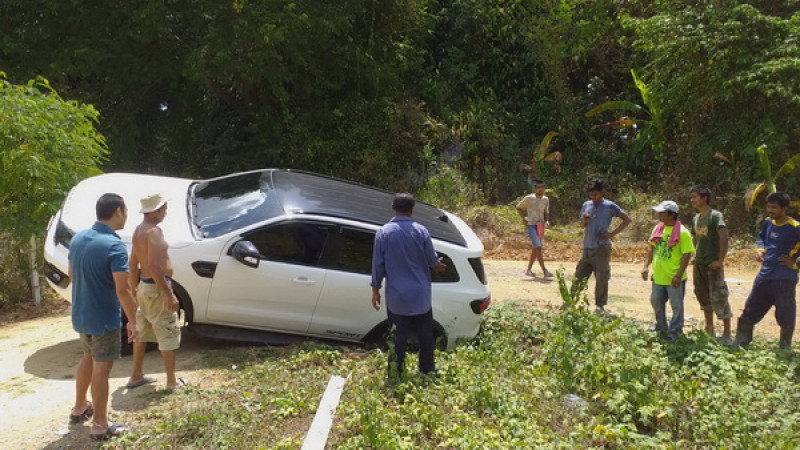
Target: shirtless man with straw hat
[149,277]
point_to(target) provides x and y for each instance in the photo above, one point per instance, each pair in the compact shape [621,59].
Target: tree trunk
[35,287]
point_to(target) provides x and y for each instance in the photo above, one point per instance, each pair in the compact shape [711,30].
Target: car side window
[293,242]
[353,251]
[450,274]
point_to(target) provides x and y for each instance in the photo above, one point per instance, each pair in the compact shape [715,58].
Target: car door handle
[304,281]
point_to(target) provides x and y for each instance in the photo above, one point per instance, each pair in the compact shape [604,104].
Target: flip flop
[82,417]
[182,383]
[142,382]
[114,430]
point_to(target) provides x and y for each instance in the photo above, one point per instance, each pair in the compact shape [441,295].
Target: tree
[47,145]
[727,73]
[770,180]
[649,130]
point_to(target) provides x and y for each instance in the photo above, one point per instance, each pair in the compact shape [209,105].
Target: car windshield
[227,204]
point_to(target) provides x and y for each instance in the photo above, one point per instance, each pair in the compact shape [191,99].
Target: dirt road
[38,357]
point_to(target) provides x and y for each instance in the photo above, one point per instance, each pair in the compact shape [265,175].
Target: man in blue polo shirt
[404,256]
[98,268]
[776,282]
[595,217]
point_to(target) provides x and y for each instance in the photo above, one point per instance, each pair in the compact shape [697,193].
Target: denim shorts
[535,240]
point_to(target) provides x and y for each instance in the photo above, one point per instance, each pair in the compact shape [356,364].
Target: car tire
[378,338]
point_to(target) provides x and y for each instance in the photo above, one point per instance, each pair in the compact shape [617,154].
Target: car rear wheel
[380,336]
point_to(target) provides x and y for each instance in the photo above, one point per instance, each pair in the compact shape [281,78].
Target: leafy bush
[14,285]
[564,379]
[450,190]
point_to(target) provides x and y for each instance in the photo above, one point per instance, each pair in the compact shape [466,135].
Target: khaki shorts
[153,322]
[712,291]
[102,348]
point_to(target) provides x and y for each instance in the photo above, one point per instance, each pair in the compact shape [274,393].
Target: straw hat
[152,203]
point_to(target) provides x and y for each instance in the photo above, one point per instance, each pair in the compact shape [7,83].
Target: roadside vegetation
[473,97]
[562,378]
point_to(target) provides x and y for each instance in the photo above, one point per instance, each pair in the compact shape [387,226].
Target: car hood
[78,212]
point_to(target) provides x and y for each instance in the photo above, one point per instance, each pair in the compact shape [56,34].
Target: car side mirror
[246,253]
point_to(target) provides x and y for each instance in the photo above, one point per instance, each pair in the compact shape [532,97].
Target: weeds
[562,379]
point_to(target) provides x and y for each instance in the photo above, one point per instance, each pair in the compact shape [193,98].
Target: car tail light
[479,306]
[477,266]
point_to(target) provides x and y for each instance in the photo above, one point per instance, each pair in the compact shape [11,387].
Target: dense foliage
[433,96]
[48,145]
[387,92]
[570,379]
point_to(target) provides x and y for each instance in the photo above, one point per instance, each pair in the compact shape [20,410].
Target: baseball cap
[666,205]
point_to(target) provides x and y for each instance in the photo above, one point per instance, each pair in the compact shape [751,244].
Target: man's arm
[157,263]
[522,210]
[676,280]
[723,249]
[128,302]
[378,270]
[647,259]
[625,221]
[585,217]
[547,214]
[761,250]
[133,270]
[792,260]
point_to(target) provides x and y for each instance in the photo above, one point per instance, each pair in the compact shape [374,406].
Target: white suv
[270,255]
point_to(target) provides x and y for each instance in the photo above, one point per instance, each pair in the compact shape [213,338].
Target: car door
[344,309]
[281,291]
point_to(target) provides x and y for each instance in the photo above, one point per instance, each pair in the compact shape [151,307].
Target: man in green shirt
[669,248]
[711,242]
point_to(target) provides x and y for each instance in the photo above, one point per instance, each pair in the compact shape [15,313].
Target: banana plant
[541,155]
[649,130]
[769,179]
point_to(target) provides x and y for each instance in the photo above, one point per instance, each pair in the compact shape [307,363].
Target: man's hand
[547,224]
[171,302]
[441,267]
[131,327]
[645,271]
[376,300]
[676,281]
[606,235]
[760,254]
[715,265]
[787,261]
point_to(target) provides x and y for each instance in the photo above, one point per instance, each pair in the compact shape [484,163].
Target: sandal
[142,382]
[82,417]
[114,430]
[182,383]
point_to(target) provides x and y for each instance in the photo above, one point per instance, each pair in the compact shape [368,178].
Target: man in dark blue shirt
[775,285]
[404,256]
[98,268]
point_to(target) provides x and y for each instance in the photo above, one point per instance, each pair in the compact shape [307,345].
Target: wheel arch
[184,301]
[378,336]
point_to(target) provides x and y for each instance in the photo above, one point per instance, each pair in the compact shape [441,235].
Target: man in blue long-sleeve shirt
[775,284]
[404,256]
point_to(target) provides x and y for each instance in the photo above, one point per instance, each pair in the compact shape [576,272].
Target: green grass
[505,389]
